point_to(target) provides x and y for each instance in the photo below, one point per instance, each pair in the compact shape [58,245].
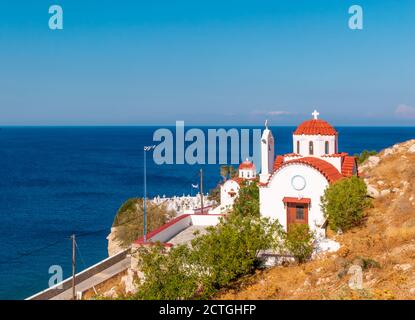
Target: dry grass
[114,282]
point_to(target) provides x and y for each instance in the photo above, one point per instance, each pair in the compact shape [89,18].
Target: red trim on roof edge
[296,200]
[163,227]
[324,167]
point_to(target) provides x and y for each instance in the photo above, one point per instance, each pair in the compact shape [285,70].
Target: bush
[344,202]
[299,242]
[225,253]
[364,155]
[231,249]
[214,194]
[129,219]
[247,202]
[167,275]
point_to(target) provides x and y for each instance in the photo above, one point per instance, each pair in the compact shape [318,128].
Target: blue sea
[56,181]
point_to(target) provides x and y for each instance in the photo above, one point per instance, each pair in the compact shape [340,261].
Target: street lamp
[146,148]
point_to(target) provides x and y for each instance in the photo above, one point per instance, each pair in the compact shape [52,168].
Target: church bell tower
[267,154]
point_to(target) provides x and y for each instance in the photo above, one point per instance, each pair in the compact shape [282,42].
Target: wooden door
[297,213]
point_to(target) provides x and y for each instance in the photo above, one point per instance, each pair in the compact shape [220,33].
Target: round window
[298,183]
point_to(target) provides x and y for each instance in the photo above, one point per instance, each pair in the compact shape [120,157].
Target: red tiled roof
[246,165]
[335,155]
[279,160]
[325,168]
[315,127]
[348,165]
[292,155]
[237,180]
[296,200]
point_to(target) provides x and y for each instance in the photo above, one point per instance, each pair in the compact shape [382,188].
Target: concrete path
[95,279]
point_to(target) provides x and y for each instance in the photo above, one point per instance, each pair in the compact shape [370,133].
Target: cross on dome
[315,114]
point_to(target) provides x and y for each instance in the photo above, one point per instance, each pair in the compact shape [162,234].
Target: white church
[291,185]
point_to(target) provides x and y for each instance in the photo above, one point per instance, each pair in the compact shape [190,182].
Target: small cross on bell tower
[315,114]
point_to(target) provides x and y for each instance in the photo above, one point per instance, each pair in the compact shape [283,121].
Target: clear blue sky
[207,62]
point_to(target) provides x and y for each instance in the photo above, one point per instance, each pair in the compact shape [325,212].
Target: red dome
[315,127]
[246,165]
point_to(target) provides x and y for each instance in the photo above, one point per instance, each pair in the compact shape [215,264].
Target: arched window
[326,147]
[311,148]
[298,147]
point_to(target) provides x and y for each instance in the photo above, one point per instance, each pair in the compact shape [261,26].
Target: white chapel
[291,185]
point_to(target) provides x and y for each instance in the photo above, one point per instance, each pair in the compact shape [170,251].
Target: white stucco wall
[168,233]
[335,161]
[267,154]
[182,224]
[319,144]
[271,197]
[247,173]
[205,219]
[225,198]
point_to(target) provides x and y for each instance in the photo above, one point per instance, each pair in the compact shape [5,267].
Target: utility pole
[73,266]
[145,196]
[146,148]
[201,191]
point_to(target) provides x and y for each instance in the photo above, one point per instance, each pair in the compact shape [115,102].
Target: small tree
[247,202]
[344,202]
[129,219]
[167,274]
[364,155]
[224,172]
[232,172]
[214,194]
[231,249]
[226,252]
[299,242]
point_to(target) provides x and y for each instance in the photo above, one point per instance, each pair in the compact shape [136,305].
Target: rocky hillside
[383,247]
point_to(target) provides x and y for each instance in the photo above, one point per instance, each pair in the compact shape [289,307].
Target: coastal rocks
[325,245]
[372,191]
[112,293]
[385,193]
[402,267]
[412,149]
[373,161]
[388,152]
[129,282]
[114,246]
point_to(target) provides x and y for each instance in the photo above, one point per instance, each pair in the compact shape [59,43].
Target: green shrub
[247,202]
[364,155]
[231,249]
[214,194]
[129,221]
[167,275]
[344,202]
[299,242]
[225,253]
[368,262]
